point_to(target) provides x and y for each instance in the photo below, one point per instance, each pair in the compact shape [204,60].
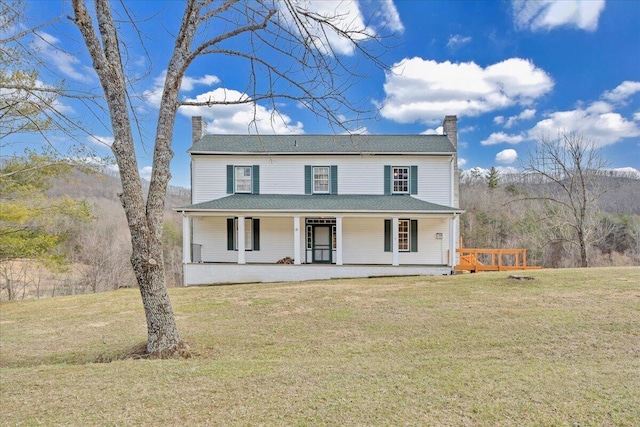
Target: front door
[321,244]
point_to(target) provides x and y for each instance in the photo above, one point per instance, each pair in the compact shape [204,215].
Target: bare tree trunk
[145,224]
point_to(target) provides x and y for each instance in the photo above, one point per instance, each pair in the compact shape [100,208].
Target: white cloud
[153,96]
[345,15]
[549,14]
[507,156]
[623,91]
[189,83]
[636,116]
[597,122]
[389,16]
[501,137]
[498,120]
[101,140]
[67,64]
[529,113]
[247,117]
[457,40]
[437,131]
[461,162]
[419,90]
[145,173]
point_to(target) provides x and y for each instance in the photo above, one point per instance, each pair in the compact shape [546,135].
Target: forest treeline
[92,253]
[501,211]
[514,211]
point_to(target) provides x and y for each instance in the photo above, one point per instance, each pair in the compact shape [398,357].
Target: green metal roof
[319,203]
[322,144]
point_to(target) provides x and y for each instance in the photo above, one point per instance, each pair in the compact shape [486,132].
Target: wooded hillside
[97,251]
[513,214]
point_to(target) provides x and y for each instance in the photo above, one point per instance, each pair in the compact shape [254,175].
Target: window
[251,234]
[400,179]
[407,235]
[243,179]
[248,235]
[403,235]
[320,179]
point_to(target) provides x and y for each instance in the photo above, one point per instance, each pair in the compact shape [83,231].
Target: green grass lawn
[468,350]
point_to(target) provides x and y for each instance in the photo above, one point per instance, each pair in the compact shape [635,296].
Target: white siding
[357,174]
[276,240]
[363,241]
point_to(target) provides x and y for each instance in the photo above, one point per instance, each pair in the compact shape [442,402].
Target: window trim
[235,179]
[394,179]
[407,232]
[313,180]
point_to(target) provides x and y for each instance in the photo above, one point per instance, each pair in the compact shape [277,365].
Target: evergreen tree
[493,178]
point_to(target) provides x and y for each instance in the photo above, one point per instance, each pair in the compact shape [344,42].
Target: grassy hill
[481,350]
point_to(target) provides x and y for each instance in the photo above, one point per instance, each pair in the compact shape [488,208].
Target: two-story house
[337,205]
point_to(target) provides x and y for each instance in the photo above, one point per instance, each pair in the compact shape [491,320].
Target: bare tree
[307,70]
[570,169]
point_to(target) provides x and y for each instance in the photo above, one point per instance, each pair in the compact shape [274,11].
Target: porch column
[395,232]
[339,240]
[296,240]
[240,238]
[452,242]
[186,239]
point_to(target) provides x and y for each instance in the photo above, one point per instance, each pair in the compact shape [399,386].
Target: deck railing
[473,259]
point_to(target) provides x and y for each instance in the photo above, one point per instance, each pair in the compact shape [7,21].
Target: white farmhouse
[337,205]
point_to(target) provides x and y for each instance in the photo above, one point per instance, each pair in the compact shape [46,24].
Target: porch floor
[226,273]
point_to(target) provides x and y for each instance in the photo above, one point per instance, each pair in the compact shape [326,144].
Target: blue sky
[510,70]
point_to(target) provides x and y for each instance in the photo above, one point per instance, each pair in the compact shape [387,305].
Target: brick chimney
[450,129]
[198,128]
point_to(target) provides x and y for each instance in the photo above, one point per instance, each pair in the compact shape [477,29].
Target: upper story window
[243,179]
[321,179]
[401,179]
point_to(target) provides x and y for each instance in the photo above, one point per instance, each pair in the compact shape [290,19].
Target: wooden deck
[474,260]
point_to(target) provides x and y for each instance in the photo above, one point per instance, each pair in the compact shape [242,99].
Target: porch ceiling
[320,204]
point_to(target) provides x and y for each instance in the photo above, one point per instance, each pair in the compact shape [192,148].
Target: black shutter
[413,232]
[334,179]
[413,185]
[256,234]
[255,177]
[387,180]
[387,235]
[307,179]
[231,232]
[229,179]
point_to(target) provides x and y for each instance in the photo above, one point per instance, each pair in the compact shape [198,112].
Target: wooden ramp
[474,260]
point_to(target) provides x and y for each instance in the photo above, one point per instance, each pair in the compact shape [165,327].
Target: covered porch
[240,240]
